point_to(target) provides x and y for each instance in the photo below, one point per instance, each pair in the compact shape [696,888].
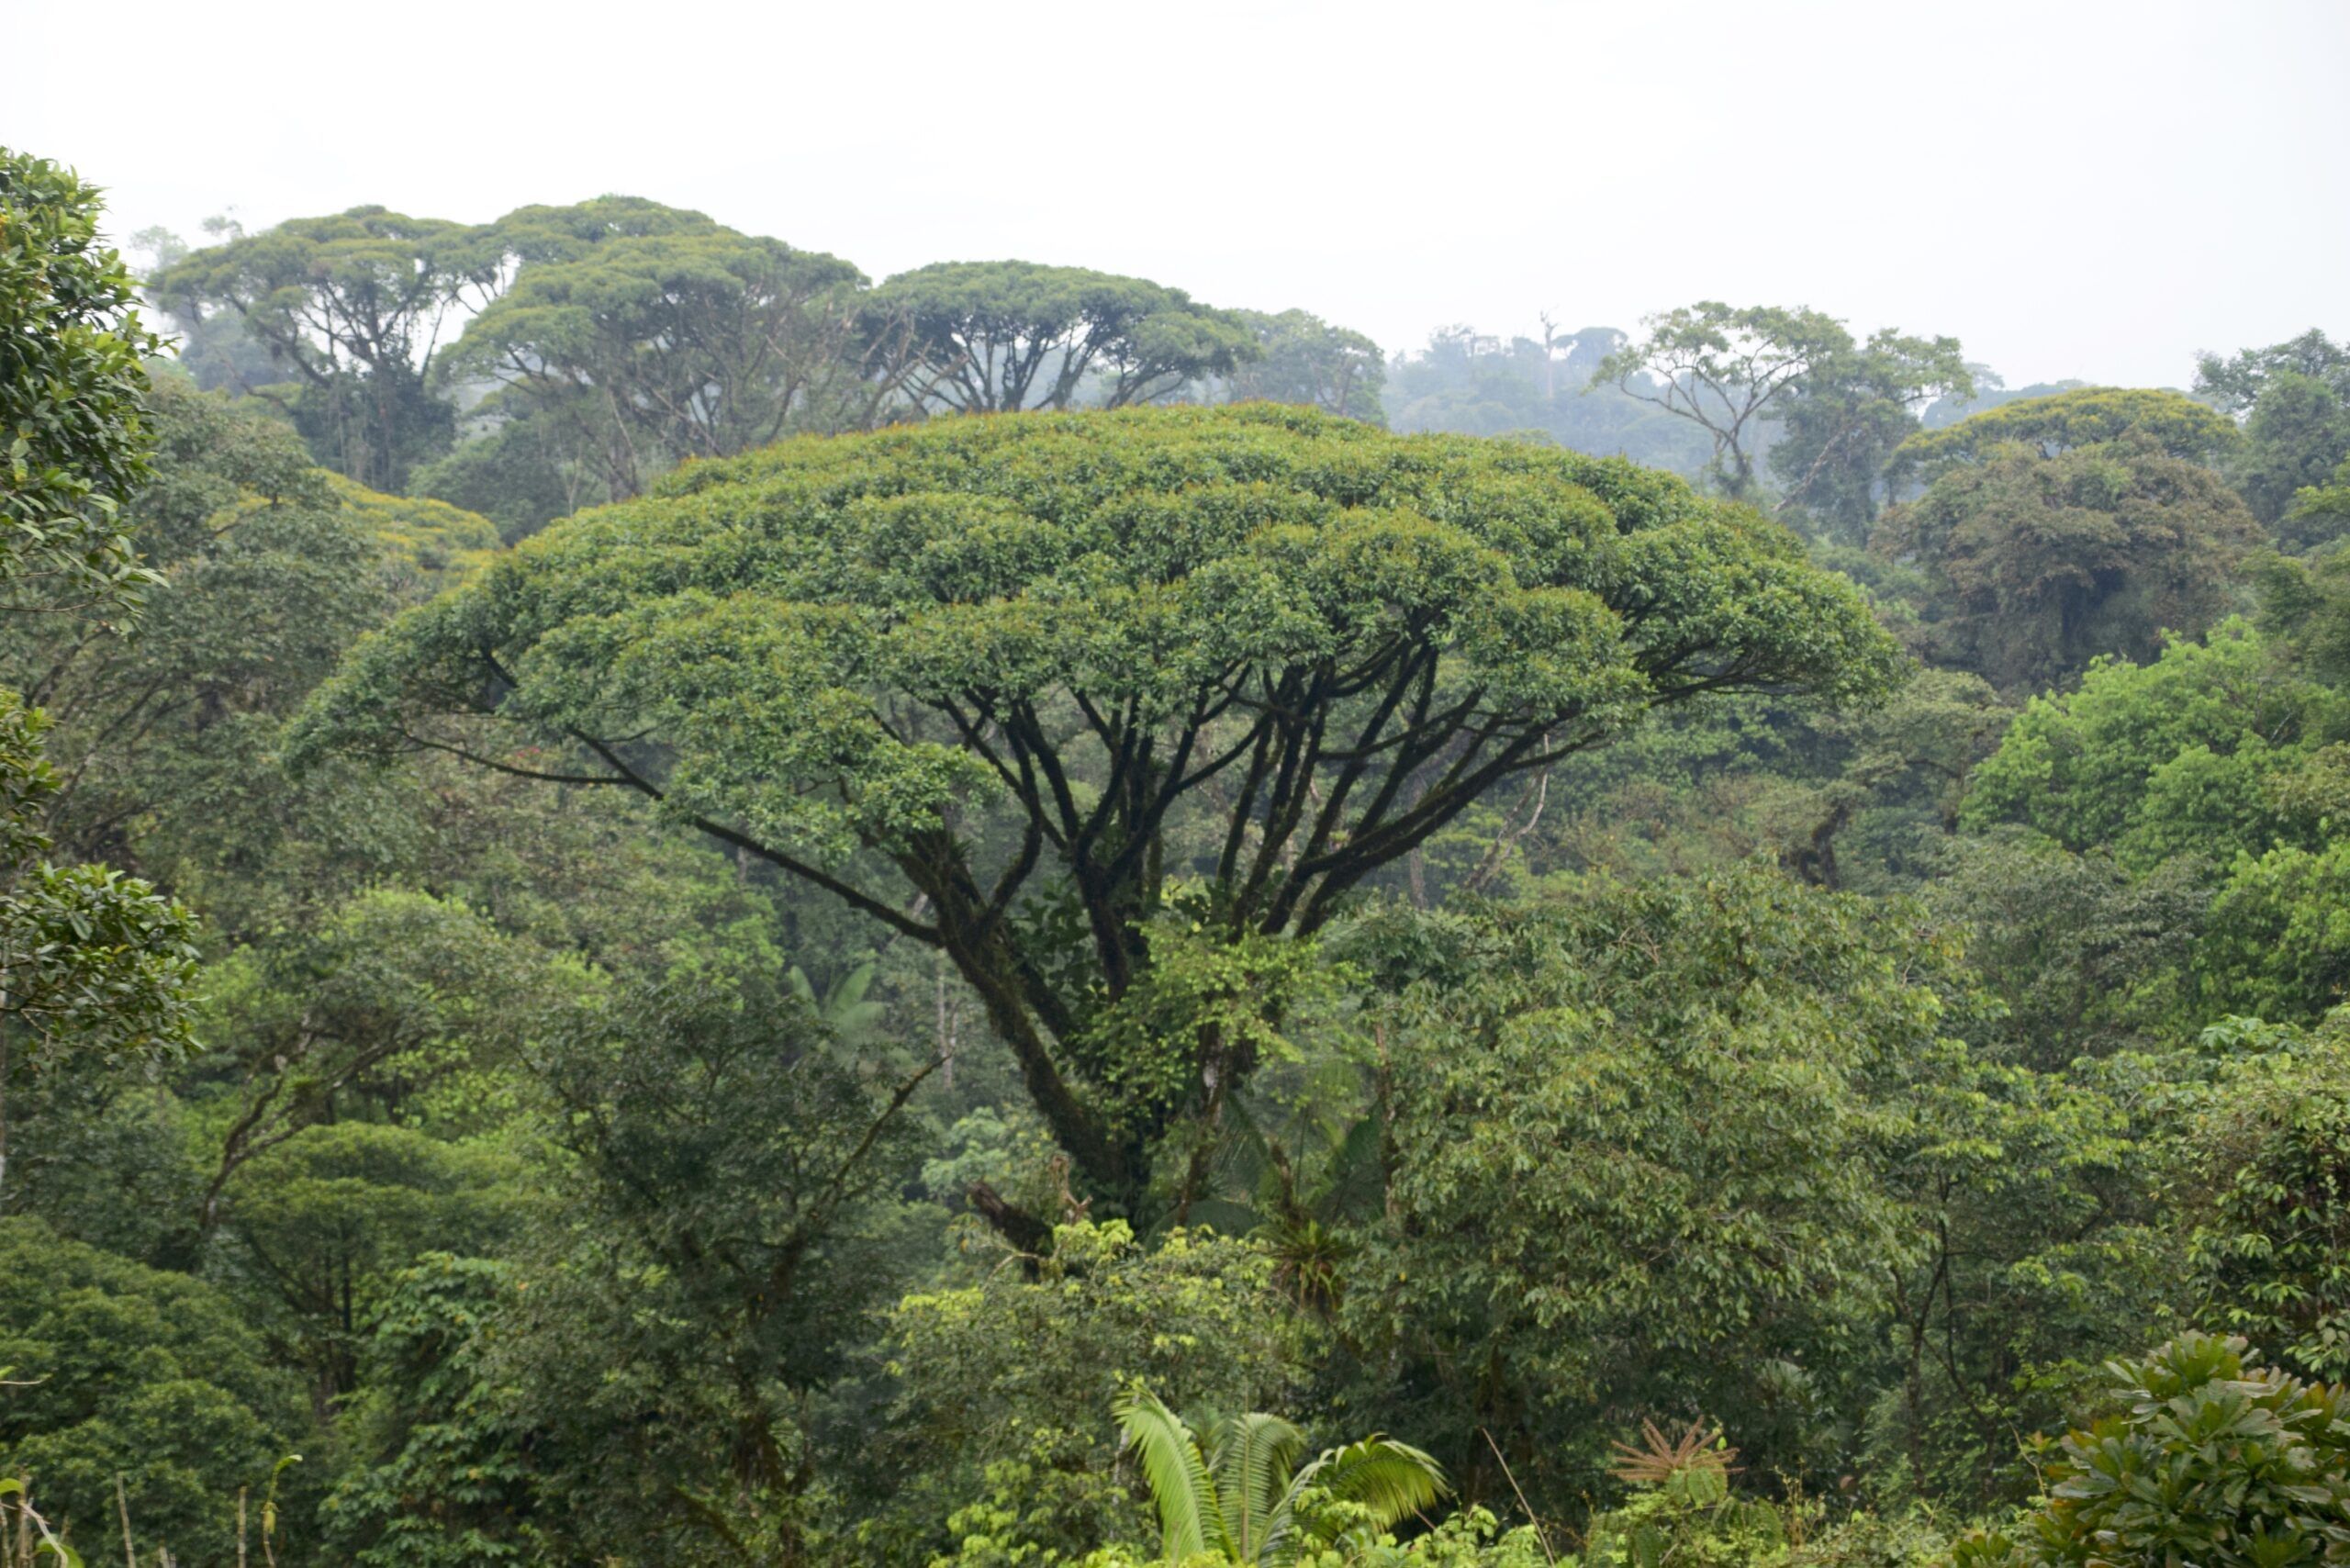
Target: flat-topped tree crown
[999,337]
[1009,685]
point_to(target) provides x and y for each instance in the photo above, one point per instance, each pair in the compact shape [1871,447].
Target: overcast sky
[2093,190]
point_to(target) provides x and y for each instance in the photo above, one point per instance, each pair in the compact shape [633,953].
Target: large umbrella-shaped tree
[1111,708]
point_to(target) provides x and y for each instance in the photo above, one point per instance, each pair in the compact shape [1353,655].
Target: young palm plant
[1235,1492]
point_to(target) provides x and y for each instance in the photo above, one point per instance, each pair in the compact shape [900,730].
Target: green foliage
[659,342]
[394,1004]
[1902,776]
[1235,1491]
[1304,359]
[2279,944]
[2297,435]
[26,1539]
[1006,1379]
[351,306]
[2084,956]
[1002,660]
[2167,422]
[2034,1239]
[727,1043]
[1689,1522]
[91,961]
[998,337]
[2305,608]
[120,1370]
[215,462]
[94,964]
[426,546]
[324,1221]
[2215,765]
[1240,988]
[2038,564]
[269,569]
[1637,1153]
[2207,1462]
[440,1470]
[73,438]
[1848,413]
[729,1221]
[521,476]
[2320,514]
[2107,765]
[2237,384]
[1722,368]
[2265,1187]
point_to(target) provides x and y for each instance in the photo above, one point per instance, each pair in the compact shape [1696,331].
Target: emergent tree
[1113,710]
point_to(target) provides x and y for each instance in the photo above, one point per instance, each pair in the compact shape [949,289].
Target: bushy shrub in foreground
[2207,1463]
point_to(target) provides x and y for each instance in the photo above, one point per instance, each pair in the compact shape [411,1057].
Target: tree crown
[2177,424]
[1051,678]
[1002,336]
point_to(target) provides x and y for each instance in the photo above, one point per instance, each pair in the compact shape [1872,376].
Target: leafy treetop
[1307,360]
[356,308]
[2236,384]
[2036,565]
[72,429]
[2178,425]
[369,287]
[685,343]
[1002,336]
[547,234]
[1721,367]
[1017,689]
[1849,414]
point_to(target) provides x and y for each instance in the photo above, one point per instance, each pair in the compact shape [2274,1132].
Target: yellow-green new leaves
[427,545]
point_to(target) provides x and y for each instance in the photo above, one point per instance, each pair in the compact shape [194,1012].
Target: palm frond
[1190,1520]
[849,992]
[1355,1175]
[1393,1480]
[1251,1462]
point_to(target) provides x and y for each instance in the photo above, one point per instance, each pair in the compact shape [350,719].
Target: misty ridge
[666,903]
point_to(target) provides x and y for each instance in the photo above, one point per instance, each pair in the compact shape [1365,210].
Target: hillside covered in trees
[666,905]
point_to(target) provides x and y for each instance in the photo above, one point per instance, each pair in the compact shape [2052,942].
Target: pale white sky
[2082,190]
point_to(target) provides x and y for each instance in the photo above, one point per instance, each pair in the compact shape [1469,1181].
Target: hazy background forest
[670,898]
